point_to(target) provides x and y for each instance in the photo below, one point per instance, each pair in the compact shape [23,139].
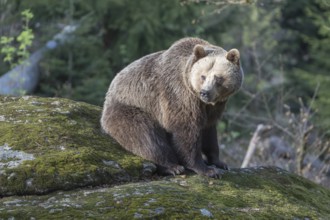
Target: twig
[314,97]
[261,129]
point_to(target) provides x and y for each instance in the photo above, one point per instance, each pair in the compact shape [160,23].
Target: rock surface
[55,163]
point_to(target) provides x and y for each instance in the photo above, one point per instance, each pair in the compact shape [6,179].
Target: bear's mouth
[223,95]
[209,100]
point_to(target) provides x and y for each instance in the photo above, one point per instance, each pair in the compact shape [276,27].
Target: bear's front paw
[171,170]
[221,165]
[213,172]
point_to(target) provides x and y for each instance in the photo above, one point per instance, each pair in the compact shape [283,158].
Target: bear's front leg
[210,147]
[189,149]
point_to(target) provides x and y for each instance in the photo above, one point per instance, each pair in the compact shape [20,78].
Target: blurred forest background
[284,48]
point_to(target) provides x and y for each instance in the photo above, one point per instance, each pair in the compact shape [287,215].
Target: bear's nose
[204,94]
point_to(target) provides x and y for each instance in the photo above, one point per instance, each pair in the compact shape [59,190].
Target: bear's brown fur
[164,106]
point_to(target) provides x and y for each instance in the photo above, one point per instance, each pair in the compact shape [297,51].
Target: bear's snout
[205,95]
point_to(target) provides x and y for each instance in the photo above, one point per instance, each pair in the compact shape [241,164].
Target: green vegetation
[307,30]
[15,56]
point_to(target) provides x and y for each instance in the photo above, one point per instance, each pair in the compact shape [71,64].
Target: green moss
[65,138]
[232,197]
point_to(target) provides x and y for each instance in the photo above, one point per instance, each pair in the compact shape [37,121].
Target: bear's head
[215,74]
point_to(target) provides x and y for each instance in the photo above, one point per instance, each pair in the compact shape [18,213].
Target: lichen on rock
[11,158]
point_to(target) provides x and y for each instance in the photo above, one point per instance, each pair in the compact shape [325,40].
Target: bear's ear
[233,56]
[199,51]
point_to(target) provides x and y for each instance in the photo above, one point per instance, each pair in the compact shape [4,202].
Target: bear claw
[172,170]
[220,165]
[214,172]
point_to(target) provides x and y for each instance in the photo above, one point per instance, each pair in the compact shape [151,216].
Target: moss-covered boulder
[49,144]
[262,193]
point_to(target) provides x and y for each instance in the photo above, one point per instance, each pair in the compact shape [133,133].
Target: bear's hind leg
[134,130]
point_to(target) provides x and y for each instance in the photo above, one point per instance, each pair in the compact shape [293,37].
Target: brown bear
[164,106]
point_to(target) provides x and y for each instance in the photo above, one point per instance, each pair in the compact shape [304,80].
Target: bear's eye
[219,80]
[203,77]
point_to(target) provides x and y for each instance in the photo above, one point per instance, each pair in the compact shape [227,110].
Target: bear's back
[181,49]
[131,84]
[154,78]
[144,75]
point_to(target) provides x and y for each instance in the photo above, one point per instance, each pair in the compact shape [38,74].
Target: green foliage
[7,49]
[307,47]
[16,55]
[111,34]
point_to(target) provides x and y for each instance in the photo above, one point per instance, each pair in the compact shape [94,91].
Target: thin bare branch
[253,143]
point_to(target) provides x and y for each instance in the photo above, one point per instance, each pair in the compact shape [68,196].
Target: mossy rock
[49,144]
[261,193]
